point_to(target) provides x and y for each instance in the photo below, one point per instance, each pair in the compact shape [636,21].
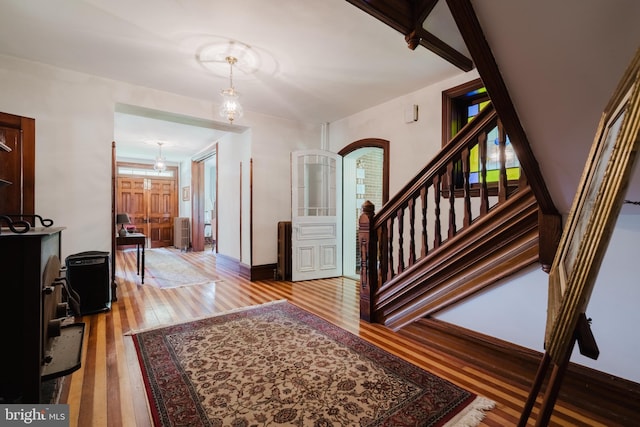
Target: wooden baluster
[390,272]
[437,238]
[502,180]
[452,201]
[412,231]
[383,252]
[466,187]
[484,192]
[423,199]
[400,216]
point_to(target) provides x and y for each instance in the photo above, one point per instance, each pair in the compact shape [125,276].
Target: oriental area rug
[276,364]
[167,268]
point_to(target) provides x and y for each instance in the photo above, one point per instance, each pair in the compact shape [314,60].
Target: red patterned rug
[276,364]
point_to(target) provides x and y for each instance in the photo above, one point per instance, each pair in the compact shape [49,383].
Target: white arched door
[316,215]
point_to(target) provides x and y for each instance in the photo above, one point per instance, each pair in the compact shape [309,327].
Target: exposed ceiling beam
[407,17]
[469,26]
[443,50]
[422,10]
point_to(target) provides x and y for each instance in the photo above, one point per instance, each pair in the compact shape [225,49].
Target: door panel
[161,210]
[11,166]
[151,204]
[328,257]
[131,200]
[316,215]
[17,165]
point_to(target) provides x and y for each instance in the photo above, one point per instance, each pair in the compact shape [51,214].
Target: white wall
[614,304]
[74,116]
[233,150]
[184,171]
[411,145]
[273,141]
[613,307]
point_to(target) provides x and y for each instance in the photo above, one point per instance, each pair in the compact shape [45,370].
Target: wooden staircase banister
[453,148]
[413,265]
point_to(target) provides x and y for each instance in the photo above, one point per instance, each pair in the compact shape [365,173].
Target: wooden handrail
[395,241]
[462,139]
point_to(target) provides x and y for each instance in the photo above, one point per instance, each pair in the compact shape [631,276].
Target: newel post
[368,259]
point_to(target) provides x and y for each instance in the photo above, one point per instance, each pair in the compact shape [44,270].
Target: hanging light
[230,108]
[160,164]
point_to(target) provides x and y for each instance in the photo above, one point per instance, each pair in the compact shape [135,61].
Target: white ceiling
[318,61]
[314,61]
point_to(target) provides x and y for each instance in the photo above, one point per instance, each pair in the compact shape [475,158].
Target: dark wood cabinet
[17,164]
[35,343]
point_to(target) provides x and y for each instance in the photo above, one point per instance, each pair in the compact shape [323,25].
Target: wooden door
[130,199]
[161,209]
[11,172]
[17,165]
[197,205]
[151,204]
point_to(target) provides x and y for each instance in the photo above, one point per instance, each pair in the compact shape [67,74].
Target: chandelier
[230,108]
[160,164]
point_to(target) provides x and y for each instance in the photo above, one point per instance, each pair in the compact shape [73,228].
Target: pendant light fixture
[160,164]
[230,108]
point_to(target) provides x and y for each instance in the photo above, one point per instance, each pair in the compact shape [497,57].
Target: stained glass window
[465,105]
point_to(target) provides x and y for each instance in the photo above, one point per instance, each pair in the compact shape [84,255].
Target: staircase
[462,224]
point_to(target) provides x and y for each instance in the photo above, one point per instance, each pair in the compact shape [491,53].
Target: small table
[140,241]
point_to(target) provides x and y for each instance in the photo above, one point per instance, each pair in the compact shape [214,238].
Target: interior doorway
[210,203]
[204,206]
[365,177]
[150,200]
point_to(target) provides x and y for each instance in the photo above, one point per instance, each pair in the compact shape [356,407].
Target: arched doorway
[365,177]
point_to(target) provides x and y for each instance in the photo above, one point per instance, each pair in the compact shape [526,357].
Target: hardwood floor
[107,390]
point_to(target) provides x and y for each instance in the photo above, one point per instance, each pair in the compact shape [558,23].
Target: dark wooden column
[368,256]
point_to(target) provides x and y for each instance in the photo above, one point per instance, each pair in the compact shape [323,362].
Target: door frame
[344,152]
[139,165]
[373,143]
[197,199]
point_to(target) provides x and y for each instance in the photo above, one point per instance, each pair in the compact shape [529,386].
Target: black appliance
[88,275]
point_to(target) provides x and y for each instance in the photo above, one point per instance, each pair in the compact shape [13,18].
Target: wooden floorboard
[108,389]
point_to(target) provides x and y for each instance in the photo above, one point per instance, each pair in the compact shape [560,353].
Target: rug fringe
[233,310]
[473,414]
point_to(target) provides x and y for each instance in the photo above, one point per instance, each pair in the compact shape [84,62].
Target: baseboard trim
[228,262]
[244,271]
[257,272]
[252,273]
[613,397]
[263,272]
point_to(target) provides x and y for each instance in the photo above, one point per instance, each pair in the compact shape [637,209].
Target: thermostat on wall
[411,114]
